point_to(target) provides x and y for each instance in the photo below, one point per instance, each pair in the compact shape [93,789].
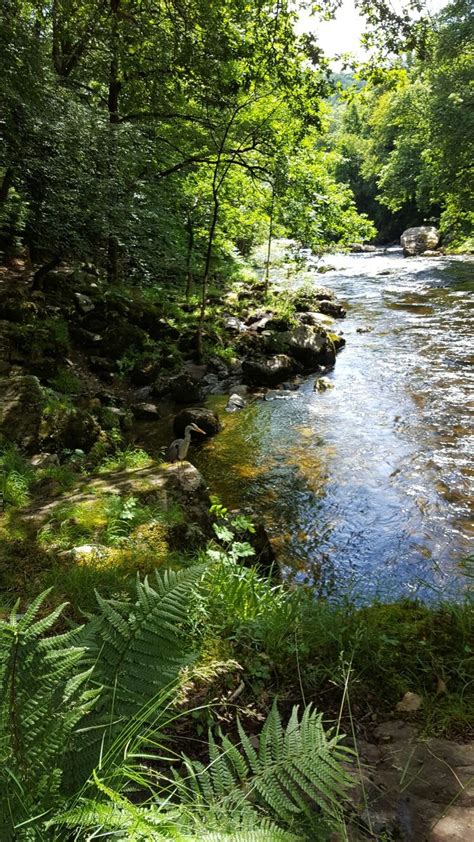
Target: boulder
[418,240]
[44,460]
[79,430]
[322,384]
[361,248]
[309,298]
[268,371]
[21,408]
[315,319]
[183,388]
[309,345]
[235,403]
[145,411]
[206,419]
[331,308]
[83,303]
[145,371]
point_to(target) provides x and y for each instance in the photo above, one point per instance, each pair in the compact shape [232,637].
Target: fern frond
[135,651]
[295,775]
[42,698]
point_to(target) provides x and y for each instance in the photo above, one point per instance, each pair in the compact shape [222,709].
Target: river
[367,488]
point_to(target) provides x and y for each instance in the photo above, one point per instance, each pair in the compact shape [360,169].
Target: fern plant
[292,788]
[295,776]
[134,651]
[43,696]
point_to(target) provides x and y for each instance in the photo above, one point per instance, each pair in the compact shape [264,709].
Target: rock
[332,308]
[206,419]
[422,788]
[308,299]
[309,345]
[145,371]
[337,340]
[268,371]
[219,366]
[431,253]
[145,411]
[322,384]
[101,366]
[418,240]
[144,393]
[240,389]
[43,460]
[84,303]
[234,325]
[86,551]
[280,394]
[359,248]
[79,429]
[315,319]
[235,403]
[21,408]
[410,703]
[183,388]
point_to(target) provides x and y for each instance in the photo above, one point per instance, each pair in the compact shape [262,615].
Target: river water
[367,488]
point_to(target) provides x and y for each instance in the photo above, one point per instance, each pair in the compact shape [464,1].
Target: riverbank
[87,519]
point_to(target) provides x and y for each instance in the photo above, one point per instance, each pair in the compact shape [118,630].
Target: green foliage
[405,139]
[43,696]
[123,460]
[16,476]
[109,519]
[294,776]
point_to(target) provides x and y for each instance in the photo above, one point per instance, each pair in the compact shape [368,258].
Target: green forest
[200,221]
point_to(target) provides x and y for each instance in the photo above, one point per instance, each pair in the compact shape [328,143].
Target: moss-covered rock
[21,408]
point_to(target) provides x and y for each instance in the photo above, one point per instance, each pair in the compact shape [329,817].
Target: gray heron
[178,449]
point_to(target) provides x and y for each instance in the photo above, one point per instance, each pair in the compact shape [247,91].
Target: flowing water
[368,486]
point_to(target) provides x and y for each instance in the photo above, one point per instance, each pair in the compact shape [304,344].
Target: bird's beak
[198,430]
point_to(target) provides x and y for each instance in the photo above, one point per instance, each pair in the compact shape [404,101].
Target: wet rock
[316,319]
[308,299]
[322,384]
[145,411]
[279,394]
[431,253]
[144,393]
[337,340]
[206,419]
[83,303]
[332,308]
[268,371]
[21,408]
[309,345]
[418,240]
[235,403]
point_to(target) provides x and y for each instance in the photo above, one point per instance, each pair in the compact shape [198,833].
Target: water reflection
[368,485]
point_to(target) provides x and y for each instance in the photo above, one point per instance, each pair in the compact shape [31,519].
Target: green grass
[128,459]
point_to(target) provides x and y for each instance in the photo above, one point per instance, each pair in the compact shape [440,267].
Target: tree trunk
[269,248]
[205,279]
[189,257]
[5,185]
[115,85]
